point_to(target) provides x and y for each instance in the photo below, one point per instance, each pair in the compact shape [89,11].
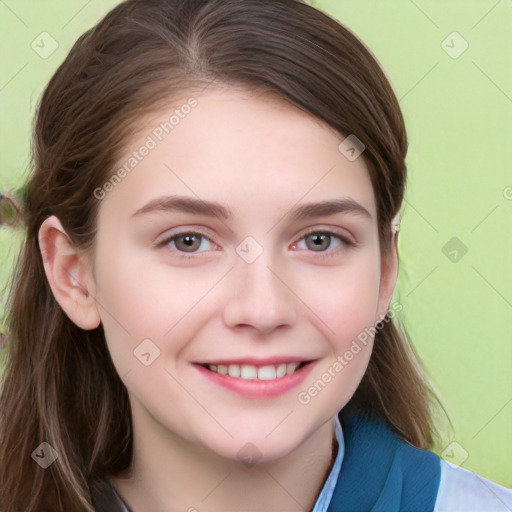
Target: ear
[388,277]
[68,274]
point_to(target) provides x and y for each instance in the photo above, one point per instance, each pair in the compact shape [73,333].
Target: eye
[322,240]
[188,242]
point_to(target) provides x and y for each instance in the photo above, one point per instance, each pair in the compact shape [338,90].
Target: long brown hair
[59,383]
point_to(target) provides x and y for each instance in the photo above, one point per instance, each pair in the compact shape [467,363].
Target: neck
[170,473]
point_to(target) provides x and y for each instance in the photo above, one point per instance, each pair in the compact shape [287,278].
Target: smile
[253,372]
[256,379]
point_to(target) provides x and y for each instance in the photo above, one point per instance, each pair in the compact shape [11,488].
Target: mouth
[256,372]
[256,379]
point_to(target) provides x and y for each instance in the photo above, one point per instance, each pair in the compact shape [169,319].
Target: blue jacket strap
[382,473]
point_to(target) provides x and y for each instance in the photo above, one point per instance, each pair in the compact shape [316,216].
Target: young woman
[201,318]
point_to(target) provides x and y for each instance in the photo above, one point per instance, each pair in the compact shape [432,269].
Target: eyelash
[326,254]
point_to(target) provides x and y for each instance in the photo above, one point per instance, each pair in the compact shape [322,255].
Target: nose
[259,297]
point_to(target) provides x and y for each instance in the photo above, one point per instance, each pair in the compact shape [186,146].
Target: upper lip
[258,362]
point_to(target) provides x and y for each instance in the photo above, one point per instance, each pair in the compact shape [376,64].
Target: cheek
[345,304]
[141,298]
[344,299]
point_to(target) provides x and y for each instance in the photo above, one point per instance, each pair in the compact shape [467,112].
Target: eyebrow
[213,209]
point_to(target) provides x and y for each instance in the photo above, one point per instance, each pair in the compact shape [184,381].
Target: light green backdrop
[450,64]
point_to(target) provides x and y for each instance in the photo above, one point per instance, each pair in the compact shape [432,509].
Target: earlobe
[68,274]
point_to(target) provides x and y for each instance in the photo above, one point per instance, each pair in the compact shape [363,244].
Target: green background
[457,105]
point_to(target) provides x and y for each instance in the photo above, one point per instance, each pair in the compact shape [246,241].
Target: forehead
[239,147]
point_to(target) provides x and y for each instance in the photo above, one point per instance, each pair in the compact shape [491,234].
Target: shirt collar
[328,489]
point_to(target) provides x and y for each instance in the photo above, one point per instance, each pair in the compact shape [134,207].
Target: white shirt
[460,489]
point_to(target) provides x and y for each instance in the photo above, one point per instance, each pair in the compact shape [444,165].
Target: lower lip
[258,388]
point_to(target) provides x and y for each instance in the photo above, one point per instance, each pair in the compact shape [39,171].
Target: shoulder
[381,472]
[460,489]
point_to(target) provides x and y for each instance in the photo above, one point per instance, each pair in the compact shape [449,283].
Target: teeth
[252,372]
[249,372]
[281,371]
[291,367]
[234,370]
[267,373]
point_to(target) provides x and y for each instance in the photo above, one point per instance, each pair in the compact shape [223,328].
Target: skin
[260,158]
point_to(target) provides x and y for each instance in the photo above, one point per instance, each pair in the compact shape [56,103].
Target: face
[206,255]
